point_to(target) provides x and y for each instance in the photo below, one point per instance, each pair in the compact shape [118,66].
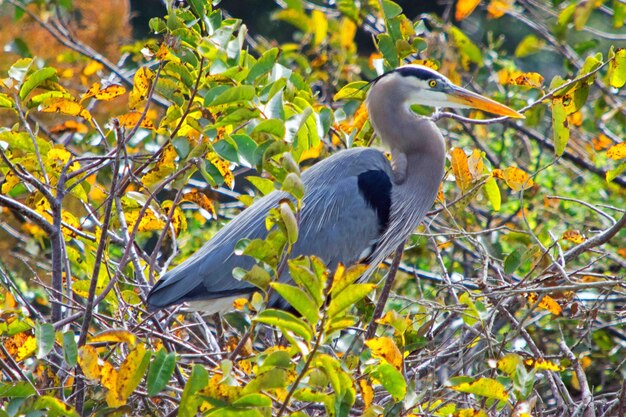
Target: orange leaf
[385,348]
[69,126]
[617,151]
[498,8]
[202,200]
[460,169]
[547,303]
[601,142]
[464,8]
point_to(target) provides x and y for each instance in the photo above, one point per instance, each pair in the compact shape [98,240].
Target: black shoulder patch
[375,186]
[420,73]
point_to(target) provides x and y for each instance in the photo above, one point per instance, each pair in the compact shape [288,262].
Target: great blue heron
[357,205]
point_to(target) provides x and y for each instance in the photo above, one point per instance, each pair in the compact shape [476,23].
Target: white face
[432,92]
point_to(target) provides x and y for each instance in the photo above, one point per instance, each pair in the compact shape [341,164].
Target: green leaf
[531,44]
[484,387]
[348,297]
[293,185]
[471,315]
[233,95]
[287,321]
[306,279]
[349,8]
[36,79]
[299,300]
[617,69]
[291,222]
[189,402]
[253,400]
[263,65]
[560,128]
[277,359]
[160,372]
[273,127]
[44,333]
[6,101]
[512,261]
[387,47]
[493,193]
[264,185]
[19,389]
[352,91]
[198,8]
[54,406]
[391,9]
[466,47]
[615,172]
[258,277]
[270,379]
[391,379]
[70,349]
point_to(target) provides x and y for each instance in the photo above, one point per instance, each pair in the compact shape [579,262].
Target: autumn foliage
[120,158]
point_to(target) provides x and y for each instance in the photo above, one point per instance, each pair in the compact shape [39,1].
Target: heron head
[427,87]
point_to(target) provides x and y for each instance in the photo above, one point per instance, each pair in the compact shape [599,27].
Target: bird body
[358,206]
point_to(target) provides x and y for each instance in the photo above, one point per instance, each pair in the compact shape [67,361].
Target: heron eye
[432,83]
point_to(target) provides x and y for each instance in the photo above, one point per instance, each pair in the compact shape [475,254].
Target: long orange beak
[466,98]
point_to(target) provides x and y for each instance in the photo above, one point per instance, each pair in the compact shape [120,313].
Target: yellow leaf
[92,68]
[130,120]
[65,106]
[110,92]
[367,392]
[385,348]
[149,221]
[223,167]
[10,181]
[141,87]
[464,8]
[550,304]
[240,303]
[517,179]
[498,8]
[508,363]
[470,412]
[201,200]
[178,218]
[312,153]
[460,169]
[320,26]
[131,372]
[109,381]
[617,69]
[162,169]
[475,164]
[69,126]
[484,387]
[88,360]
[617,151]
[348,30]
[440,196]
[26,348]
[543,364]
[343,278]
[547,303]
[574,236]
[117,336]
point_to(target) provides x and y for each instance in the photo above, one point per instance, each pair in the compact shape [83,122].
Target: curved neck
[406,133]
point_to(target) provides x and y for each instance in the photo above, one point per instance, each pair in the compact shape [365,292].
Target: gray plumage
[340,219]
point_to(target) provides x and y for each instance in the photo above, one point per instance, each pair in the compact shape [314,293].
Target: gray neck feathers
[418,159]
